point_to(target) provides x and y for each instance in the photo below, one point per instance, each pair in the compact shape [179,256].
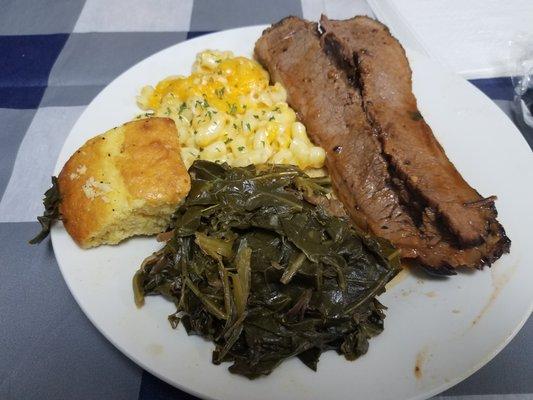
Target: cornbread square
[125,182]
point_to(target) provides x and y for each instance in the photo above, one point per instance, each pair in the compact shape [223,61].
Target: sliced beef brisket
[378,195]
[384,77]
[331,109]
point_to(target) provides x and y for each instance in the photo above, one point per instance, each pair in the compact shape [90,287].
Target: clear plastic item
[522,55]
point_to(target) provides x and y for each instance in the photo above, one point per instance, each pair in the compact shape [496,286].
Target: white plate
[448,328]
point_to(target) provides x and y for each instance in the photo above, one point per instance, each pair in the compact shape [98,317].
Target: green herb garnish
[232,108]
[220,92]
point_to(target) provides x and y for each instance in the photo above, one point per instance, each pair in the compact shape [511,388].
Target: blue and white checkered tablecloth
[55,56]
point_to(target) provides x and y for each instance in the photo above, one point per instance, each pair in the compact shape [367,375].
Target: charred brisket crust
[502,247]
[282,22]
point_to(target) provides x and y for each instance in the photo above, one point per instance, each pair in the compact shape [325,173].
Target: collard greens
[51,214]
[266,275]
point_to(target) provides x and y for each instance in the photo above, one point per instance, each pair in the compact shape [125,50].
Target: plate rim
[424,394]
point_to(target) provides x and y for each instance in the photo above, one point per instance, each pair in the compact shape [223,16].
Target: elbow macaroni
[226,111]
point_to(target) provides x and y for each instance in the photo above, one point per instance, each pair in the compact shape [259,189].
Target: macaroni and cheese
[226,111]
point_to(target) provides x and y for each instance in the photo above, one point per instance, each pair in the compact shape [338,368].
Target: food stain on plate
[421,360]
[155,349]
[407,292]
[498,283]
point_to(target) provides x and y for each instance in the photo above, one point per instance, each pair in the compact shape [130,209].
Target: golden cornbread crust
[127,181]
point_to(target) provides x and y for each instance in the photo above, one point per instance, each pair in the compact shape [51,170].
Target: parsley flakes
[220,92]
[232,108]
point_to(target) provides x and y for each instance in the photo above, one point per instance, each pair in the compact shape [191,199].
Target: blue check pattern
[55,56]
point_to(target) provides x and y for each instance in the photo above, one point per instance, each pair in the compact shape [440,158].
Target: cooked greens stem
[212,308]
[235,325]
[340,277]
[293,268]
[244,269]
[238,294]
[181,304]
[295,205]
[372,293]
[225,286]
[324,180]
[138,292]
[235,333]
[210,208]
[393,255]
[319,277]
[212,246]
[274,175]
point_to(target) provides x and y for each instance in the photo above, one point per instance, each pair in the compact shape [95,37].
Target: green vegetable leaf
[51,201]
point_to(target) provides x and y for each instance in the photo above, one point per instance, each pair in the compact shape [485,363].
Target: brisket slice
[384,78]
[332,109]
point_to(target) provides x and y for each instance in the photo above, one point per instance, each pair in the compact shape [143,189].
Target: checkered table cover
[55,56]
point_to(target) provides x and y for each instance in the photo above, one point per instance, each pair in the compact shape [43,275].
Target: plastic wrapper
[522,55]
